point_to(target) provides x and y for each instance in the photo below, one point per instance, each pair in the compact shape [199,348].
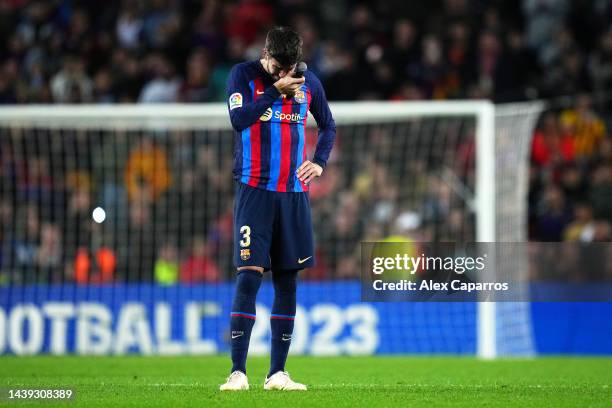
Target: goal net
[116,229]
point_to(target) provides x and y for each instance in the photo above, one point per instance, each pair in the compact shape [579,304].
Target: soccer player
[268,107]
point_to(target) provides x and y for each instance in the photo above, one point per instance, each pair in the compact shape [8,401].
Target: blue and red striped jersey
[270,129]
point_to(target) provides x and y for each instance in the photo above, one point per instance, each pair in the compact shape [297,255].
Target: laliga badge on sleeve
[235,100]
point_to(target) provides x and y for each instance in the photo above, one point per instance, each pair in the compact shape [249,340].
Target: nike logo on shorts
[286,337]
[301,261]
[236,334]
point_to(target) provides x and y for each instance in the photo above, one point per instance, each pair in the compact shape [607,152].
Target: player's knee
[247,283]
[252,268]
[285,281]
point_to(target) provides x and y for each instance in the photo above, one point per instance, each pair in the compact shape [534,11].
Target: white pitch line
[342,385]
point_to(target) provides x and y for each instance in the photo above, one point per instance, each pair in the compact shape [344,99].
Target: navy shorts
[272,229]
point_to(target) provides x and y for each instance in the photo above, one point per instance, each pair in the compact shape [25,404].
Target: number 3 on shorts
[245,230]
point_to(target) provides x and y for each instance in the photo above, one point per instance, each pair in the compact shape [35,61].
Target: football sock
[243,316]
[282,317]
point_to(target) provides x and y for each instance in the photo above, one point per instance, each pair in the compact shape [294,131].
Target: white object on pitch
[98,215]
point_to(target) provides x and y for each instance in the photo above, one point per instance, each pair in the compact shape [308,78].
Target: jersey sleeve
[325,122]
[243,111]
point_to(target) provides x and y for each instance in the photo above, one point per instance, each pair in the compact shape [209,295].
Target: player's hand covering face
[308,171]
[276,70]
[285,83]
[289,85]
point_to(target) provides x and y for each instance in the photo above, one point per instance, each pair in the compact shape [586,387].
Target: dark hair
[284,45]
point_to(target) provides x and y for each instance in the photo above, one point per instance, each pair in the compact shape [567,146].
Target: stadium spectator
[544,18]
[199,267]
[128,76]
[49,254]
[97,267]
[601,192]
[585,126]
[167,267]
[404,49]
[554,215]
[431,73]
[138,250]
[129,26]
[549,145]
[197,86]
[26,242]
[164,84]
[102,87]
[147,173]
[573,184]
[71,84]
[82,263]
[582,228]
[106,261]
[601,67]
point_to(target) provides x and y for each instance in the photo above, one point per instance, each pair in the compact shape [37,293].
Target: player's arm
[327,133]
[242,109]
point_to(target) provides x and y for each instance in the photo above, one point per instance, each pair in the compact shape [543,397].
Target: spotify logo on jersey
[291,117]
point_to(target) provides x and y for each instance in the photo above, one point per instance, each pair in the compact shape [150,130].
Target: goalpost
[503,143]
[461,167]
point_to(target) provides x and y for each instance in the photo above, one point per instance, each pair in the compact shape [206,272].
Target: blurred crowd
[99,51]
[168,196]
[167,200]
[571,176]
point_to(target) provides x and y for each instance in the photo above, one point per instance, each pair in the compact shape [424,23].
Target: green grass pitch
[333,381]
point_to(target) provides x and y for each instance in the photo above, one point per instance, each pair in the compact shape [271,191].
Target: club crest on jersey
[235,100]
[266,116]
[245,254]
[299,96]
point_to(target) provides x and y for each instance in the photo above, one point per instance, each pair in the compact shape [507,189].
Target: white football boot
[237,381]
[282,381]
